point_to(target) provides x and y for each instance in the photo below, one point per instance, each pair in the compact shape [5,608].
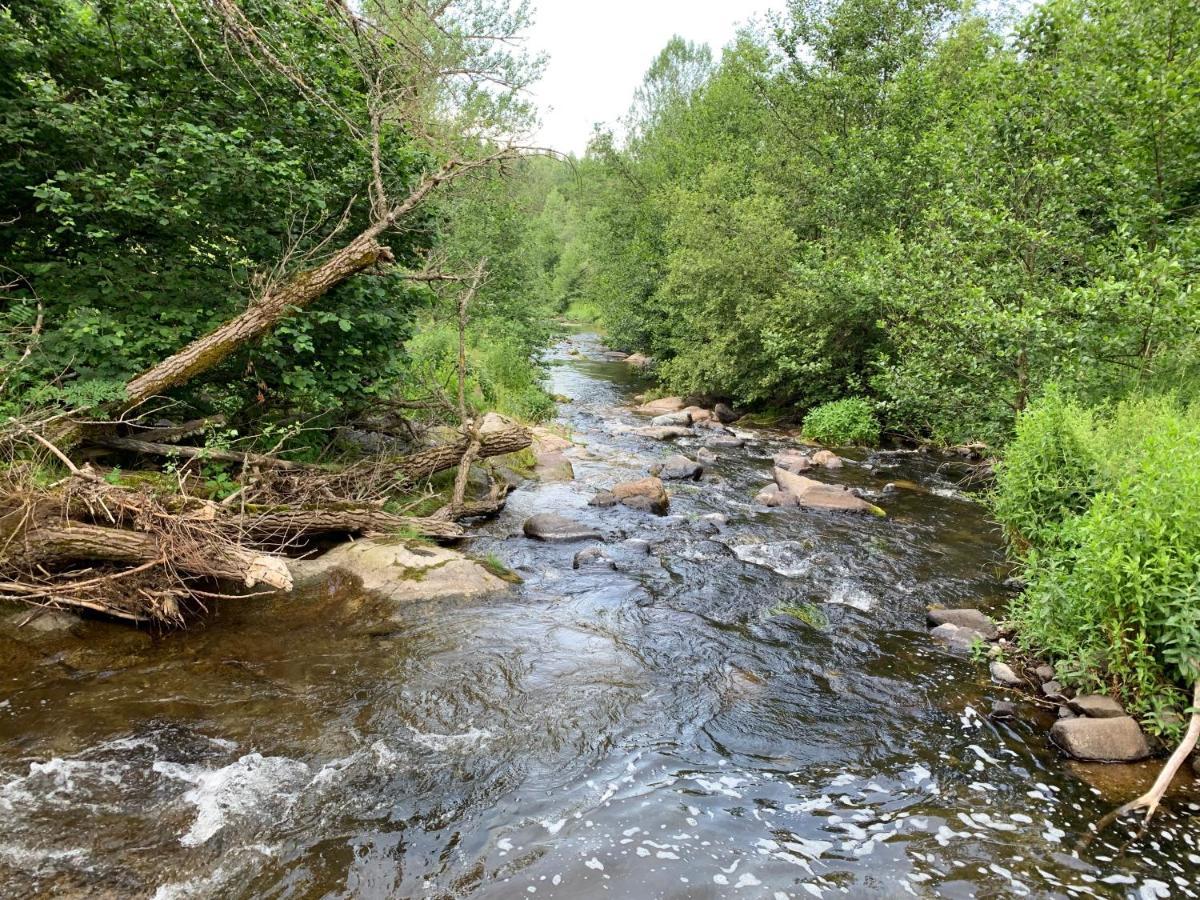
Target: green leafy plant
[843,422]
[808,613]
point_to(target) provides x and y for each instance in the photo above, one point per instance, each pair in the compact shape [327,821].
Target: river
[654,729]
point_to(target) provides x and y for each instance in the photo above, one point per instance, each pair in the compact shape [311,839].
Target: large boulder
[400,570]
[553,527]
[679,468]
[1101,740]
[547,441]
[664,432]
[699,414]
[660,406]
[724,414]
[683,417]
[963,618]
[956,638]
[646,494]
[638,360]
[810,493]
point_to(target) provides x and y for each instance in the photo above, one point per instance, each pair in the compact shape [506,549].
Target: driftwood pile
[149,553]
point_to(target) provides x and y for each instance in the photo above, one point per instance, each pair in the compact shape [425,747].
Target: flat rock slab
[964,618]
[553,527]
[664,432]
[728,441]
[811,493]
[1101,740]
[1098,706]
[401,570]
[683,417]
[660,406]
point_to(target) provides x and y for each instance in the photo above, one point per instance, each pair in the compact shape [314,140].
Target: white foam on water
[788,558]
[442,743]
[252,785]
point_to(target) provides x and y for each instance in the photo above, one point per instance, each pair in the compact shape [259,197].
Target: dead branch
[151,448]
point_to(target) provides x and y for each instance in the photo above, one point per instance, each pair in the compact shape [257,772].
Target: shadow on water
[654,729]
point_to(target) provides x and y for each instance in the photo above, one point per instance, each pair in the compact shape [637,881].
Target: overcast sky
[600,50]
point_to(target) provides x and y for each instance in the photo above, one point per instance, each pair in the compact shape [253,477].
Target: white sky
[599,52]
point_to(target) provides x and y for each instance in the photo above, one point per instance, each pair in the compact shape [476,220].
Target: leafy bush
[1113,570]
[842,422]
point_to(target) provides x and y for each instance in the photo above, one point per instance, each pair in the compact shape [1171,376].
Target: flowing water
[654,729]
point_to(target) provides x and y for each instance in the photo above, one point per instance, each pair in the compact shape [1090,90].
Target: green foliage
[843,422]
[1106,504]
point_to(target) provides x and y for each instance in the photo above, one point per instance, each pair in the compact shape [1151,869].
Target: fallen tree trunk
[287,523]
[56,545]
[497,442]
[151,448]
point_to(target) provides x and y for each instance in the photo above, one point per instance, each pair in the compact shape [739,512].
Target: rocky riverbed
[691,693]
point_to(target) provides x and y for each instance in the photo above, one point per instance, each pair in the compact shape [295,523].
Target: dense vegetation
[157,177]
[910,203]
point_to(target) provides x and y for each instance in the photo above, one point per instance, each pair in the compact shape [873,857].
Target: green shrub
[1049,471]
[1113,572]
[843,422]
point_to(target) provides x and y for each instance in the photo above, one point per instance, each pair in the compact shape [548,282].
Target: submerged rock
[679,468]
[956,638]
[964,618]
[1103,740]
[827,459]
[664,432]
[553,527]
[810,493]
[401,570]
[1097,706]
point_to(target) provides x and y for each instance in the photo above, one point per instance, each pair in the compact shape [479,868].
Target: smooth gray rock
[683,417]
[1003,709]
[553,527]
[964,618]
[1052,688]
[954,637]
[793,461]
[680,468]
[705,456]
[1097,706]
[1004,674]
[1045,673]
[728,441]
[1101,740]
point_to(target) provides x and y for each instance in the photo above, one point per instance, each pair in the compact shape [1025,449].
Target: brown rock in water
[660,406]
[638,360]
[646,494]
[827,459]
[699,413]
[819,495]
[1097,706]
[793,461]
[964,618]
[553,466]
[679,468]
[1101,740]
[663,432]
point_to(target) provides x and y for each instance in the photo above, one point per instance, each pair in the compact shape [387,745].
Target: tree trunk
[301,290]
[281,525]
[438,459]
[151,448]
